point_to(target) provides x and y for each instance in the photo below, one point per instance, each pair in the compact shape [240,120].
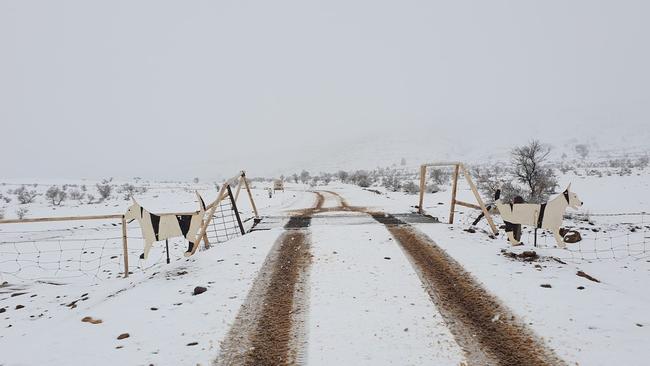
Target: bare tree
[529,164]
[56,195]
[343,176]
[24,195]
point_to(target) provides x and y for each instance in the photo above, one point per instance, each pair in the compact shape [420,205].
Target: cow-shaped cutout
[547,216]
[162,227]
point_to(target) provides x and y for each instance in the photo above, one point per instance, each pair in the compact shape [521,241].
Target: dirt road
[270,326]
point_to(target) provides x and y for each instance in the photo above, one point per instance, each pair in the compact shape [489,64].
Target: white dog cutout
[162,227]
[545,216]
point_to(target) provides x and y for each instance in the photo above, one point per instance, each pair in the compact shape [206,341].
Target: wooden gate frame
[458,168]
[238,180]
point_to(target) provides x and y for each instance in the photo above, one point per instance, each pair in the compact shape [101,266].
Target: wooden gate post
[125,247]
[472,186]
[423,174]
[250,195]
[454,188]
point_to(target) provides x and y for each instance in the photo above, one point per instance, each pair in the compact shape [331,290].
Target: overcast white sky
[176,89]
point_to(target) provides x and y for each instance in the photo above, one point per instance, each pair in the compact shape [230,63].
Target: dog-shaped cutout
[547,216]
[162,227]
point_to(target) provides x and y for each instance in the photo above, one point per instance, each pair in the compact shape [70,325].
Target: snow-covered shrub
[490,178]
[90,199]
[21,212]
[361,178]
[410,188]
[440,176]
[129,190]
[24,195]
[391,183]
[326,178]
[582,150]
[304,177]
[76,194]
[105,189]
[364,182]
[5,198]
[2,214]
[56,195]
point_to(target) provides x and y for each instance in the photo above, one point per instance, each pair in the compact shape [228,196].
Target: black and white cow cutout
[547,216]
[162,227]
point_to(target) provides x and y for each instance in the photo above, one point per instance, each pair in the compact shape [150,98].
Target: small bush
[21,212]
[304,177]
[129,190]
[582,150]
[90,199]
[76,194]
[391,183]
[440,176]
[410,188]
[105,189]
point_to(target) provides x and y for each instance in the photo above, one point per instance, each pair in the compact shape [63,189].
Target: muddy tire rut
[486,330]
[269,328]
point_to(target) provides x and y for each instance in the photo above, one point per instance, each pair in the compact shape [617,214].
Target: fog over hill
[203,89]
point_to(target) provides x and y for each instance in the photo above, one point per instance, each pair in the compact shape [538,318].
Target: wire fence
[225,225]
[69,251]
[603,236]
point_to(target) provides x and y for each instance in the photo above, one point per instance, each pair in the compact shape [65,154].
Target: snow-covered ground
[363,308]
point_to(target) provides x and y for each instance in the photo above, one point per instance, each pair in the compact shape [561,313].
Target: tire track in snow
[269,327]
[487,331]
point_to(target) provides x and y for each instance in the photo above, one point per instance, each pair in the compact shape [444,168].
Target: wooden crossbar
[459,168]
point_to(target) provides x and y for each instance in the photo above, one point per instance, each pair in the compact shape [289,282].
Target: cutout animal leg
[512,240]
[190,247]
[510,230]
[147,247]
[558,238]
[167,248]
